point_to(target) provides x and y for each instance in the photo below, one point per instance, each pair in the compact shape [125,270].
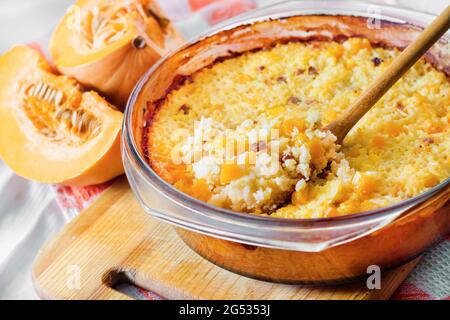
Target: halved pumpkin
[51,131]
[108,45]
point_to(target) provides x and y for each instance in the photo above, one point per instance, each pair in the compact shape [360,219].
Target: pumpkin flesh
[53,131]
[108,45]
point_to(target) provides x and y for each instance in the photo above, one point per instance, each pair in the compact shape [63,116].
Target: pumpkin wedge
[108,45]
[52,131]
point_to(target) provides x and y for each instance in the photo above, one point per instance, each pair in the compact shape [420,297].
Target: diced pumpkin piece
[243,78]
[379,141]
[350,206]
[200,190]
[273,112]
[434,128]
[301,197]
[357,44]
[431,180]
[182,185]
[275,57]
[420,99]
[331,115]
[230,172]
[288,126]
[336,50]
[316,149]
[394,129]
[367,184]
[331,212]
[353,152]
[367,205]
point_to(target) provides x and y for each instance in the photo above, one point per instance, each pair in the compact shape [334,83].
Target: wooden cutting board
[115,239]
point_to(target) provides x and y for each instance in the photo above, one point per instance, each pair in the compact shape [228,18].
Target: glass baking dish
[327,250]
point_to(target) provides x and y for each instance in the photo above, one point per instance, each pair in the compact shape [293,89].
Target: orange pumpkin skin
[52,131]
[110,55]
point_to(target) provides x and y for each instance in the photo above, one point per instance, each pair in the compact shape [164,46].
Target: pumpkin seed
[94,128]
[59,96]
[48,132]
[83,123]
[31,90]
[96,131]
[38,89]
[52,120]
[74,120]
[42,91]
[58,114]
[66,115]
[48,94]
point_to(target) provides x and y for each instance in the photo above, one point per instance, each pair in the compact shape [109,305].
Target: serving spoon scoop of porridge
[390,76]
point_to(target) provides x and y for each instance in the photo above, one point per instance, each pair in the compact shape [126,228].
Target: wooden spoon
[389,77]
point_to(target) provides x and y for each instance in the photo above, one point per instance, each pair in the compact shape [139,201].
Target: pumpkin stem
[139,42]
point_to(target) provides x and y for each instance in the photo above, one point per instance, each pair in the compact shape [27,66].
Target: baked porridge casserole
[246,133]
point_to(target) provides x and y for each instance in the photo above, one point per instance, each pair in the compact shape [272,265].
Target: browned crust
[266,34]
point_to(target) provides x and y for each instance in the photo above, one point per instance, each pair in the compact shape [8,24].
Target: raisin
[287,156]
[312,71]
[377,61]
[324,173]
[185,109]
[428,140]
[294,100]
[400,106]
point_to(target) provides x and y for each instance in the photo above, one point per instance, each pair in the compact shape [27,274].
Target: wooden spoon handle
[389,77]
